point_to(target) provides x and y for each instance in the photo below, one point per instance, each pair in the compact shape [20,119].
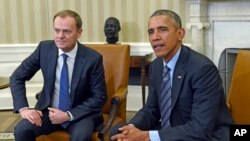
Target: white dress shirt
[70,64]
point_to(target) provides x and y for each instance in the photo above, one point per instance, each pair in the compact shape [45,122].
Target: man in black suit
[198,108]
[85,85]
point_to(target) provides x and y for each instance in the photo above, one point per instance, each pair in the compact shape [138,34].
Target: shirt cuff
[154,135]
[71,118]
[23,109]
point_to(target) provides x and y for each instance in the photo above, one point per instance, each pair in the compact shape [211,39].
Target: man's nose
[61,34]
[155,36]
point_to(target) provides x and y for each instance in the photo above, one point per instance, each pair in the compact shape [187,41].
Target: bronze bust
[111,30]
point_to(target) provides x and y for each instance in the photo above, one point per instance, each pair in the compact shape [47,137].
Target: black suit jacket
[199,110]
[87,92]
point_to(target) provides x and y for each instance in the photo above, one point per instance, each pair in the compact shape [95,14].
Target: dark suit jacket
[87,92]
[199,110]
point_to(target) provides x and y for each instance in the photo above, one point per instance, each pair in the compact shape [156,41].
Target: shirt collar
[70,54]
[171,64]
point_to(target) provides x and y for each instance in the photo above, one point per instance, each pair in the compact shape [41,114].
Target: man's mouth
[158,46]
[60,42]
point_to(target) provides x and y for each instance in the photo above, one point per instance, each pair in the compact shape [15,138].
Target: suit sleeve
[24,72]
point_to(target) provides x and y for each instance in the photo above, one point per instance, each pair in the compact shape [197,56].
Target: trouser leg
[82,130]
[26,131]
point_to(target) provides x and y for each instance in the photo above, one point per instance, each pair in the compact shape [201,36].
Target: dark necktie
[165,107]
[64,98]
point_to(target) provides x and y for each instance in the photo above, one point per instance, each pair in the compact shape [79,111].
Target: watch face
[69,117]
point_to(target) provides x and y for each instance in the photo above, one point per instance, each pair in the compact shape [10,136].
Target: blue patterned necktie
[64,98]
[165,105]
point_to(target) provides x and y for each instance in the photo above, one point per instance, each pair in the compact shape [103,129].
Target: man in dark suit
[198,108]
[85,85]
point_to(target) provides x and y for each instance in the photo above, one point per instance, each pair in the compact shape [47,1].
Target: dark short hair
[70,13]
[115,20]
[174,17]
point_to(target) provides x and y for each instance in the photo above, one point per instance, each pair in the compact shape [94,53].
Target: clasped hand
[34,116]
[131,133]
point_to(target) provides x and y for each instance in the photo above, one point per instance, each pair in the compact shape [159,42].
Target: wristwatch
[69,116]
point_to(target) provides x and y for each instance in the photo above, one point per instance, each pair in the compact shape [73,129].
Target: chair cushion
[54,136]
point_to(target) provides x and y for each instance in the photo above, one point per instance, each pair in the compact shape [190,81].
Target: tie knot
[65,56]
[166,69]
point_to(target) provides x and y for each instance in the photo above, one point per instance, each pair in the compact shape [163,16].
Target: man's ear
[180,33]
[79,33]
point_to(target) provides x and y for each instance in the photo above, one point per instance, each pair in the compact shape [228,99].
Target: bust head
[111,30]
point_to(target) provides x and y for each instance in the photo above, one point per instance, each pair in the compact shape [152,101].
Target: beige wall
[29,21]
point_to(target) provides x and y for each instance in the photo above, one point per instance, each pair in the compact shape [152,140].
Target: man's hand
[131,133]
[32,115]
[57,116]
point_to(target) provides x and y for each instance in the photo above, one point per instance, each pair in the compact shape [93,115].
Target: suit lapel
[179,75]
[178,78]
[78,67]
[159,70]
[52,61]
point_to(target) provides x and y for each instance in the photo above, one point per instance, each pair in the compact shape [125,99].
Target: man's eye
[163,29]
[66,31]
[150,32]
[57,31]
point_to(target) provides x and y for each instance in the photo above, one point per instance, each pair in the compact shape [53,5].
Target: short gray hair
[70,13]
[174,17]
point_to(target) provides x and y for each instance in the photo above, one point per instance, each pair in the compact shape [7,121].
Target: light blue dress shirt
[154,134]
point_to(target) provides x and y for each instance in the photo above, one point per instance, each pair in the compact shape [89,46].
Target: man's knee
[24,130]
[23,127]
[81,135]
[115,129]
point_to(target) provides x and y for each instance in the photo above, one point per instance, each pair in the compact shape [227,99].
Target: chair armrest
[119,96]
[229,106]
[38,95]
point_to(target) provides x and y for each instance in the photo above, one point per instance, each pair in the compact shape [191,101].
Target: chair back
[239,92]
[116,59]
